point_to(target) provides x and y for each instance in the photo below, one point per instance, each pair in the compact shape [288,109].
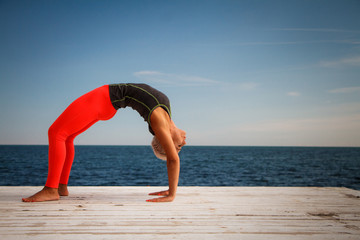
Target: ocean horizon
[136,165]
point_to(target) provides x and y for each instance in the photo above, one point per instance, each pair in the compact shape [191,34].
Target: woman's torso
[140,97]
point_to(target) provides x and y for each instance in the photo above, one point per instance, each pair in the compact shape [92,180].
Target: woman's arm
[173,168]
[161,128]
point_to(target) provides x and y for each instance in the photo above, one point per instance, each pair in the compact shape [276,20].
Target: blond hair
[158,149]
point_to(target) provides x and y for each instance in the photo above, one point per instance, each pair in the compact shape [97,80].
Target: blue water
[200,166]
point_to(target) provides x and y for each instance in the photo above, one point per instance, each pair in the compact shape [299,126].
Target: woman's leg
[79,116]
[70,153]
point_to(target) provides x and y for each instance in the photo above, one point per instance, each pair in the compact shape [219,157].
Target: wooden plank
[197,213]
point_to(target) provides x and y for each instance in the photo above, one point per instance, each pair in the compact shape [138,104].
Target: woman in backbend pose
[102,104]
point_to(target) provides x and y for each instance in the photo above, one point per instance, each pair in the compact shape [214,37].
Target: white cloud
[352,42]
[345,90]
[351,61]
[174,79]
[293,94]
[313,131]
[350,122]
[246,86]
[147,73]
[335,30]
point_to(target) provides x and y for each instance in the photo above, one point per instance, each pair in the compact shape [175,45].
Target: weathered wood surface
[197,213]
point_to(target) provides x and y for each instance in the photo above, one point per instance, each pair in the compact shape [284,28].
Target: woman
[102,104]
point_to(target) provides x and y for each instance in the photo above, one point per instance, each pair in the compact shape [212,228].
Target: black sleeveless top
[140,97]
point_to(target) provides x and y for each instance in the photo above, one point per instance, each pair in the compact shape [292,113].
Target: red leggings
[77,117]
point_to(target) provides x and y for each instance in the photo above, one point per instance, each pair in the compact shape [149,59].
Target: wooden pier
[197,213]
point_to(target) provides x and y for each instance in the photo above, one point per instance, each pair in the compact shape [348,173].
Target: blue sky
[248,73]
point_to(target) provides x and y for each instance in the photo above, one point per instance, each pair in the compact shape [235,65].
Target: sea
[200,166]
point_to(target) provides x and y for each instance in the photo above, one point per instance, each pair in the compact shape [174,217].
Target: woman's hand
[165,197]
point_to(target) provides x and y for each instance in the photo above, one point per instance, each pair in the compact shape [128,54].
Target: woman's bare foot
[63,190]
[46,194]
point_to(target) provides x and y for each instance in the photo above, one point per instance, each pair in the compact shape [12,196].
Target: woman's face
[178,137]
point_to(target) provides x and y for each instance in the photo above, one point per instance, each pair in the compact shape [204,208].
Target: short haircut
[158,149]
